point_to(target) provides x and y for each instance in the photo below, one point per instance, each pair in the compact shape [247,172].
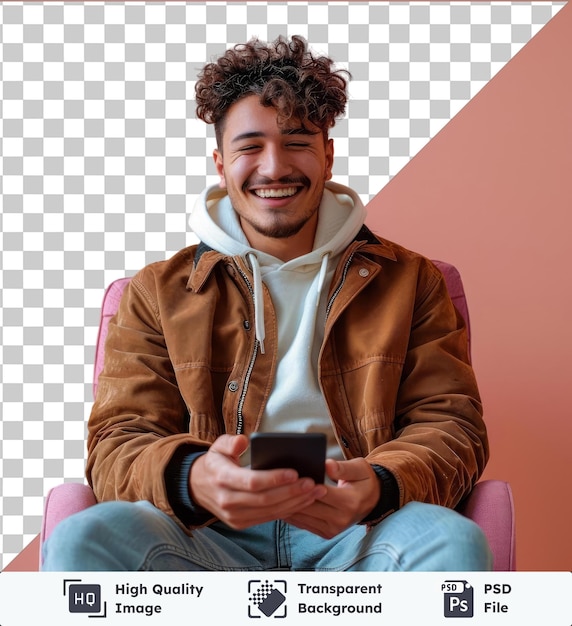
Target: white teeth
[275,193]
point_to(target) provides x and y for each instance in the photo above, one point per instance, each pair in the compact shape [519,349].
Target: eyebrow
[299,131]
[286,131]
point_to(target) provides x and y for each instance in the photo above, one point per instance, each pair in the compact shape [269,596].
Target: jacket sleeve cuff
[389,500]
[177,482]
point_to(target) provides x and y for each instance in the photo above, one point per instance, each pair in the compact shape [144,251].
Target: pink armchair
[490,504]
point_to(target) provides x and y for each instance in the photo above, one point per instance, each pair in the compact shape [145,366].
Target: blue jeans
[125,536]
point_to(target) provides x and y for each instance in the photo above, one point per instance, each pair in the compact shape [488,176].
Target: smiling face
[274,176]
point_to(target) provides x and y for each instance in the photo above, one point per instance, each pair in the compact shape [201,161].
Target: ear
[218,161]
[329,159]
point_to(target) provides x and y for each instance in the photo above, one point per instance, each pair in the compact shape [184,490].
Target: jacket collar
[371,244]
[206,258]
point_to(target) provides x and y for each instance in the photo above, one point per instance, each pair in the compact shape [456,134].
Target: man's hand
[353,498]
[241,497]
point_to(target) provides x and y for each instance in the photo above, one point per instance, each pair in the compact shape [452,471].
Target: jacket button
[233,385]
[364,272]
[246,325]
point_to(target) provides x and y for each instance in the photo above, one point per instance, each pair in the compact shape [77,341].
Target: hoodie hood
[341,215]
[215,222]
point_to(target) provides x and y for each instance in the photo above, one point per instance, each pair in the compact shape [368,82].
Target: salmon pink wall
[492,193]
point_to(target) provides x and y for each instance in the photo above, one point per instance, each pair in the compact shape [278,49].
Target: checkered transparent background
[102,158]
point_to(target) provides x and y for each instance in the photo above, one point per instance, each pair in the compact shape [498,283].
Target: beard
[280,227]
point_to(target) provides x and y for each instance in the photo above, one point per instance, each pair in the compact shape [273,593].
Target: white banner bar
[316,599]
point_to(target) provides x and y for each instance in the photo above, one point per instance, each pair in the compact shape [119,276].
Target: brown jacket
[182,366]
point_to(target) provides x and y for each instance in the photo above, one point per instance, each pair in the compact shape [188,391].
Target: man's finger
[230,445]
[348,471]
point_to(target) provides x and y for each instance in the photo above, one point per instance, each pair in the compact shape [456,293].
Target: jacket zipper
[242,399]
[340,285]
[328,309]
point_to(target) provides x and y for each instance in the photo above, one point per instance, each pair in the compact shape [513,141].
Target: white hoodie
[299,290]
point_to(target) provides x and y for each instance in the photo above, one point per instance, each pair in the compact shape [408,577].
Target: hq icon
[84,598]
[458,598]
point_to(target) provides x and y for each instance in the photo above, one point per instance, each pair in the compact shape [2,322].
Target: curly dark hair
[286,75]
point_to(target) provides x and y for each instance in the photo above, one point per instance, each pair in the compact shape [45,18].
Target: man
[290,315]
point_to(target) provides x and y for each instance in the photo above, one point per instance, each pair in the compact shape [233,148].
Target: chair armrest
[61,502]
[491,506]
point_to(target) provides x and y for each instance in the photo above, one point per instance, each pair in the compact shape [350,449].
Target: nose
[274,162]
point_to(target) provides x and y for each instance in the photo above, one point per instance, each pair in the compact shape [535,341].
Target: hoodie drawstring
[322,276]
[258,301]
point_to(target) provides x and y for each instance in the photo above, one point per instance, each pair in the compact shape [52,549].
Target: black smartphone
[304,452]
